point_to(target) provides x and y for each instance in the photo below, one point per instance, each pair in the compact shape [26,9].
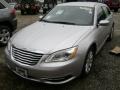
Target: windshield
[76,15]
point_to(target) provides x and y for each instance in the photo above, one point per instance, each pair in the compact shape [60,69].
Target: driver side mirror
[104,23]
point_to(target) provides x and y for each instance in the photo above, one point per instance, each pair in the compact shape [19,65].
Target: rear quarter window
[107,11]
[101,15]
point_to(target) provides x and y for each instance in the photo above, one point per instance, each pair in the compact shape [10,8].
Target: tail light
[13,12]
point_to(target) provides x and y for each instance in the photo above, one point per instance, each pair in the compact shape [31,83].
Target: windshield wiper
[45,21]
[60,22]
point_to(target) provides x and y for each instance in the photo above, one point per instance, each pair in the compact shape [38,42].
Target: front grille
[25,57]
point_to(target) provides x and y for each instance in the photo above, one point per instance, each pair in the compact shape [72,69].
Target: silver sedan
[62,45]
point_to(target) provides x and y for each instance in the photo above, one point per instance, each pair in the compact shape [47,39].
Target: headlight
[9,46]
[62,55]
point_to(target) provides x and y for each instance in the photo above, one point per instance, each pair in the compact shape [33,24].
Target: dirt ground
[105,74]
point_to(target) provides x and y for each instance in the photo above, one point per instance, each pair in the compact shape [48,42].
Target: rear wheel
[5,35]
[111,34]
[88,62]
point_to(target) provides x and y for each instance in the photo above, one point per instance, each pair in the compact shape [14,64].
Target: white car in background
[13,4]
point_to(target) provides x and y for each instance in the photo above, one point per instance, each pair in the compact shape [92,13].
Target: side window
[101,15]
[107,11]
[1,6]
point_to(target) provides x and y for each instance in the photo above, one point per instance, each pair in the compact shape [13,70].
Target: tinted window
[101,15]
[107,11]
[1,6]
[71,14]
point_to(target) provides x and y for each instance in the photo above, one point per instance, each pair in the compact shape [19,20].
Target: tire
[111,34]
[88,62]
[5,34]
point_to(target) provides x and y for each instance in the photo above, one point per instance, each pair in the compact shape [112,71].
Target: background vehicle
[49,4]
[13,5]
[30,6]
[8,22]
[113,4]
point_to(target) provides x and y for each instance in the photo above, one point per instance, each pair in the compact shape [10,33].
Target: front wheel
[88,62]
[5,35]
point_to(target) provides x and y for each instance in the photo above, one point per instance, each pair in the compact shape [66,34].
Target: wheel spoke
[7,34]
[5,40]
[4,36]
[1,33]
[1,39]
[89,62]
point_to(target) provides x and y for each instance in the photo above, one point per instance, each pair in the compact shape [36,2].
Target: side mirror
[41,16]
[104,22]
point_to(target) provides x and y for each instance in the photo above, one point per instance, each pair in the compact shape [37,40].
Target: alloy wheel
[89,61]
[4,35]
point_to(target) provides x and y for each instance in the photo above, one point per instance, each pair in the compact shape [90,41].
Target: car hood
[47,38]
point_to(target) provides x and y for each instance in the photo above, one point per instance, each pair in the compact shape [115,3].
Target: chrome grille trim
[25,57]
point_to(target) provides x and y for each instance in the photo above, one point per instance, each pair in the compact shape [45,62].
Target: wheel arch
[7,23]
[93,46]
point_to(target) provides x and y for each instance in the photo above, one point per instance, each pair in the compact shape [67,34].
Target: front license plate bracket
[21,71]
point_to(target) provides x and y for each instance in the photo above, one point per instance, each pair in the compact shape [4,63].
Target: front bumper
[51,73]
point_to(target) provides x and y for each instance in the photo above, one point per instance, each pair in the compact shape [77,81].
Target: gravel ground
[24,20]
[105,74]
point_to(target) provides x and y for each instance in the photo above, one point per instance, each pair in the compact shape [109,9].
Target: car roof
[86,4]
